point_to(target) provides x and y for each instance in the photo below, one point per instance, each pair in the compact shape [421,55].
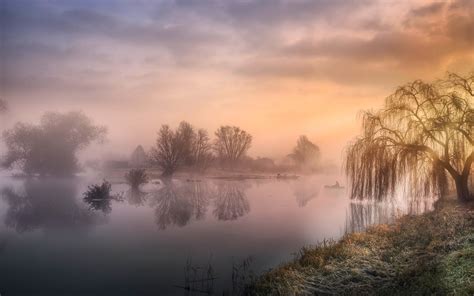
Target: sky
[277,69]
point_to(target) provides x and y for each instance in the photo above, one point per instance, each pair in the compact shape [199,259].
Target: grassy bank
[431,254]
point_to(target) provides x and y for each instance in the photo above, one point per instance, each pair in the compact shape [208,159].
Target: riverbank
[431,254]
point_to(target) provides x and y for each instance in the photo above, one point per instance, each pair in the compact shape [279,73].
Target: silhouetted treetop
[139,157]
[306,153]
[50,148]
[169,151]
[424,134]
[232,143]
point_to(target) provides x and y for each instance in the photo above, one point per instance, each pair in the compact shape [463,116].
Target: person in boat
[337,185]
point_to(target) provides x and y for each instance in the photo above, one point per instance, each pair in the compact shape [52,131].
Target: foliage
[136,177]
[50,148]
[97,191]
[424,134]
[98,197]
[306,154]
[419,255]
[231,144]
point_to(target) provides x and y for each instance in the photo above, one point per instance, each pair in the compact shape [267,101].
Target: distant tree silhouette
[139,157]
[306,154]
[424,134]
[231,144]
[184,146]
[136,177]
[50,148]
[187,135]
[169,152]
[201,152]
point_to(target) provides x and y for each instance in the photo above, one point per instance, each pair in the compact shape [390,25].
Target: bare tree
[423,136]
[231,144]
[201,150]
[169,150]
[182,147]
[188,135]
[50,148]
[306,154]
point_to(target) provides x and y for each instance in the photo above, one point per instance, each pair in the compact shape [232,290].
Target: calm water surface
[150,242]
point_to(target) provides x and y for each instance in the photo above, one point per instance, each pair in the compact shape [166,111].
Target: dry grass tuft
[431,254]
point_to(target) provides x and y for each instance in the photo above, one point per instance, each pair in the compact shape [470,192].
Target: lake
[207,235]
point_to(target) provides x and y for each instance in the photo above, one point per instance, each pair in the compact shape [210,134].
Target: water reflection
[45,204]
[103,205]
[172,208]
[364,214]
[305,191]
[177,204]
[136,197]
[231,202]
[158,259]
[199,194]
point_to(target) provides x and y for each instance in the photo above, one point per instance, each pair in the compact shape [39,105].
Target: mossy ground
[430,254]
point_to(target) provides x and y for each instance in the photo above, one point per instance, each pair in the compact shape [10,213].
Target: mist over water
[142,242]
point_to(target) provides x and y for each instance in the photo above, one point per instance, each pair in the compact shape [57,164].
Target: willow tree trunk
[462,187]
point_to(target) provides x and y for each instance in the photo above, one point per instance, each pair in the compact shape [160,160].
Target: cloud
[430,36]
[160,57]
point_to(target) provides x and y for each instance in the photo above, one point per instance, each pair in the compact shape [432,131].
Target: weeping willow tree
[423,138]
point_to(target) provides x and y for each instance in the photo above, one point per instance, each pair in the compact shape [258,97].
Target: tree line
[422,138]
[186,146]
[51,147]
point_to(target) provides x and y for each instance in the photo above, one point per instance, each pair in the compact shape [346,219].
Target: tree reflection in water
[304,191]
[172,207]
[199,194]
[179,203]
[364,214]
[46,204]
[103,205]
[231,202]
[136,197]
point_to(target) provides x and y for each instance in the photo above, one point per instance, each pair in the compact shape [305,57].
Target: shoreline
[429,254]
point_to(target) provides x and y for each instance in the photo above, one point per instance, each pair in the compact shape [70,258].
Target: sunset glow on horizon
[277,69]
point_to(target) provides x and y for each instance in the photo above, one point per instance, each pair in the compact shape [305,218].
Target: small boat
[287,177]
[335,186]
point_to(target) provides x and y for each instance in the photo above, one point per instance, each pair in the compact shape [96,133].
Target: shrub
[98,196]
[136,177]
